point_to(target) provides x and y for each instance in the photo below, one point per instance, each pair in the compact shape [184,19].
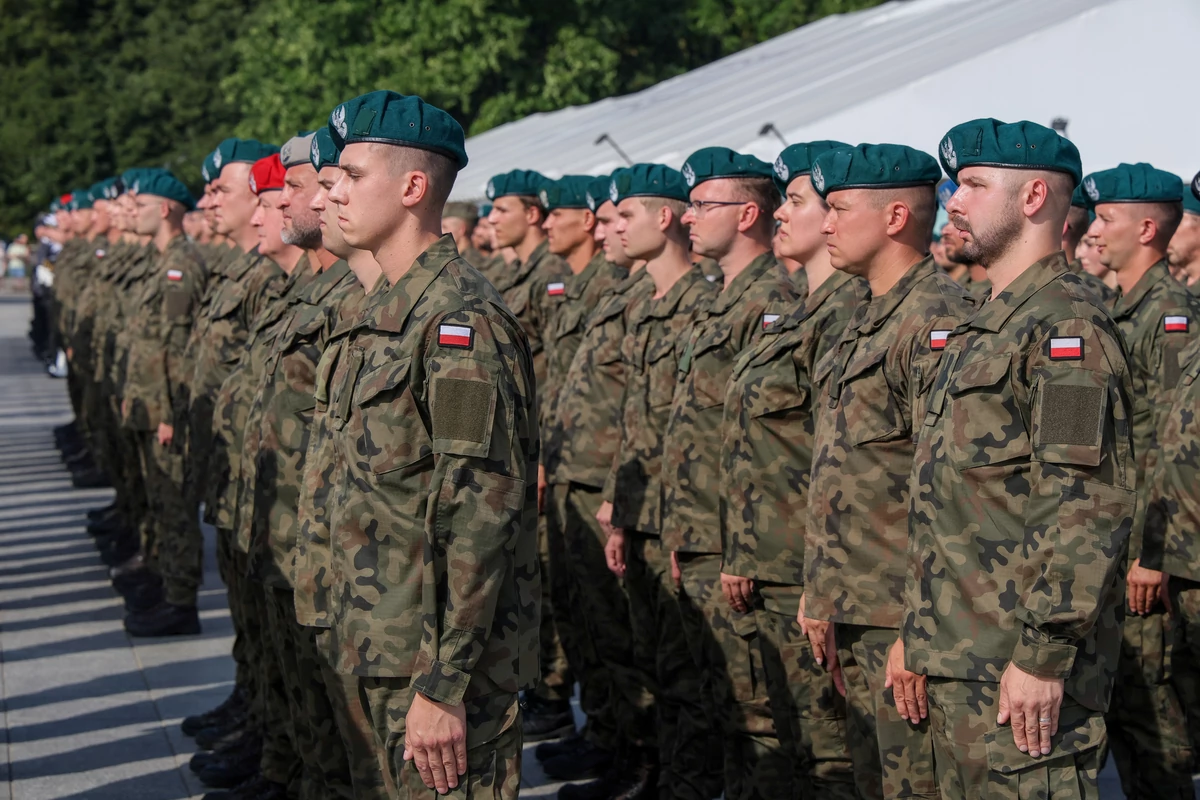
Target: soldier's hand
[435,740]
[1032,705]
[125,407]
[817,631]
[166,434]
[541,488]
[1144,587]
[835,666]
[604,517]
[908,688]
[738,591]
[676,572]
[614,552]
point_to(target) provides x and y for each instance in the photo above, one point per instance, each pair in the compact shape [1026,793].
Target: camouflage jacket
[97,303]
[1155,320]
[68,280]
[182,307]
[533,291]
[281,423]
[651,354]
[434,569]
[734,321]
[586,433]
[582,294]
[1104,293]
[874,383]
[768,434]
[979,291]
[128,286]
[1022,493]
[231,412]
[1172,541]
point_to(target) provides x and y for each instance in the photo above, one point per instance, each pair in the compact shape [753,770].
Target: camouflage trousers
[810,715]
[557,683]
[689,746]
[892,759]
[725,646]
[177,553]
[324,766]
[1185,647]
[493,741]
[976,760]
[228,561]
[1147,723]
[615,691]
[369,776]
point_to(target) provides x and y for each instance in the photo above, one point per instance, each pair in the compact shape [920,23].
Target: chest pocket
[341,386]
[985,424]
[227,302]
[660,371]
[391,433]
[779,390]
[868,402]
[711,363]
[304,324]
[517,300]
[570,320]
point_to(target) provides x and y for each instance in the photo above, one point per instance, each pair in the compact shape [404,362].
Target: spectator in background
[17,256]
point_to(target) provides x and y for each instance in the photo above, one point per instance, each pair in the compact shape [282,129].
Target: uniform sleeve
[484,437]
[1082,500]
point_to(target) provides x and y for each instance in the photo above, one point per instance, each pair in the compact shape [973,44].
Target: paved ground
[90,714]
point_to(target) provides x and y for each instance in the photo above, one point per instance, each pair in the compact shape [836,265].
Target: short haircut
[921,202]
[530,201]
[1078,222]
[678,208]
[763,193]
[440,170]
[1166,216]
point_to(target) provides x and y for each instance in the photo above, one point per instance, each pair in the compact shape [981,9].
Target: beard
[988,246]
[304,233]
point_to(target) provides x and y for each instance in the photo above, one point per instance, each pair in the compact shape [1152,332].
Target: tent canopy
[904,72]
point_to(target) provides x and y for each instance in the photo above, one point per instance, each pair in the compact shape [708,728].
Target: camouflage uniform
[688,742]
[433,573]
[875,383]
[1104,293]
[1022,504]
[765,461]
[979,291]
[1147,723]
[724,642]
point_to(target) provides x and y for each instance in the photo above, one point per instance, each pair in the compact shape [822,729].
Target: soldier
[875,380]
[1183,253]
[651,201]
[1075,230]
[765,459]
[460,222]
[434,572]
[1137,211]
[1022,489]
[732,200]
[973,277]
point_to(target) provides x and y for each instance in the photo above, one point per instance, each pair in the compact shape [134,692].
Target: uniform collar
[394,306]
[872,316]
[666,305]
[992,315]
[1127,303]
[756,269]
[324,281]
[577,283]
[521,269]
[243,264]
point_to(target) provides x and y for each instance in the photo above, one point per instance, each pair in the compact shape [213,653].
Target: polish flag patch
[768,319]
[556,288]
[1175,324]
[1067,347]
[937,339]
[174,275]
[455,336]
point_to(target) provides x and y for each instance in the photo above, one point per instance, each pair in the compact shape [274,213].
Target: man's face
[301,225]
[714,228]
[511,220]
[101,218]
[147,214]
[268,220]
[1086,253]
[637,229]
[567,229]
[952,245]
[1115,233]
[457,228]
[606,234]
[985,215]
[127,209]
[800,217]
[1184,247]
[855,228]
[481,237]
[233,202]
[368,210]
[82,220]
[327,213]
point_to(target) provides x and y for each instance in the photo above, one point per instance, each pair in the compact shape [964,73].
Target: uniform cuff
[1043,659]
[443,683]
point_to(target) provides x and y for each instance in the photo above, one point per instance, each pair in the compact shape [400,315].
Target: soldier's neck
[246,239]
[533,238]
[365,268]
[741,255]
[889,266]
[818,269]
[320,259]
[1132,272]
[165,235]
[581,255]
[668,267]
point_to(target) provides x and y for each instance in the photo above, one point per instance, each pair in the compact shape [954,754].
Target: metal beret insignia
[217,159]
[491,190]
[818,178]
[204,172]
[689,174]
[948,153]
[314,152]
[1089,186]
[613,193]
[591,201]
[253,184]
[781,169]
[339,120]
[544,196]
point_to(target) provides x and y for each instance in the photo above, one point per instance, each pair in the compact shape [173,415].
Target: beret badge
[781,169]
[217,159]
[818,178]
[339,120]
[613,194]
[491,190]
[544,196]
[948,153]
[689,175]
[1089,186]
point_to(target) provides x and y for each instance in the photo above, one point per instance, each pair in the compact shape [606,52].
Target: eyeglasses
[699,207]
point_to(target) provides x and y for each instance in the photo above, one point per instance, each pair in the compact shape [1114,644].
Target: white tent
[1119,71]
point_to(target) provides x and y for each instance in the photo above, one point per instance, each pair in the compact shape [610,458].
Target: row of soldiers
[802,515]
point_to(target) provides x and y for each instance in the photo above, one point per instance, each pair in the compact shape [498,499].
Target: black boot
[590,762]
[233,705]
[229,772]
[563,747]
[110,511]
[219,736]
[107,526]
[118,549]
[243,739]
[633,776]
[164,619]
[546,719]
[144,598]
[255,788]
[90,479]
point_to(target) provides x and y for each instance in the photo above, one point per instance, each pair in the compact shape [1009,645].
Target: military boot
[164,619]
[226,773]
[91,478]
[632,776]
[546,719]
[144,597]
[101,514]
[588,762]
[254,788]
[563,747]
[234,705]
[239,741]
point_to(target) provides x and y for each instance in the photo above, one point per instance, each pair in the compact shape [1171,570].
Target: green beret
[106,189]
[721,162]
[648,180]
[873,166]
[208,170]
[402,120]
[246,151]
[160,183]
[1191,199]
[1132,183]
[296,150]
[467,211]
[598,189]
[81,199]
[322,152]
[1077,198]
[1016,145]
[797,159]
[569,191]
[519,182]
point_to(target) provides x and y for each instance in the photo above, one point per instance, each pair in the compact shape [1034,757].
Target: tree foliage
[91,87]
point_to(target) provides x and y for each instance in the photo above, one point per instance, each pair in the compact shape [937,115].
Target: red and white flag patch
[937,339]
[1066,347]
[555,289]
[1173,324]
[174,275]
[768,319]
[455,335]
